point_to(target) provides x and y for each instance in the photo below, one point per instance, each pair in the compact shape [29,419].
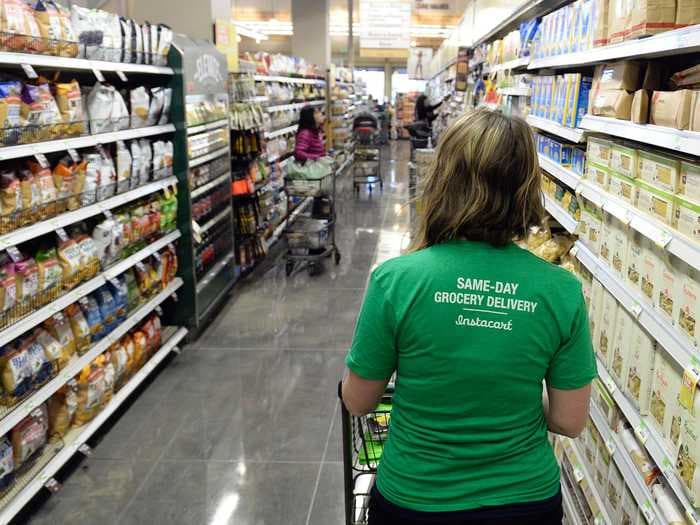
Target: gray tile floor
[243,428]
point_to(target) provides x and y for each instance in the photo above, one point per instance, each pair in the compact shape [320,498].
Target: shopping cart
[363,443]
[310,229]
[367,168]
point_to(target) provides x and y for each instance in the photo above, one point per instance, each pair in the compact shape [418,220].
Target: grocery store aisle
[243,427]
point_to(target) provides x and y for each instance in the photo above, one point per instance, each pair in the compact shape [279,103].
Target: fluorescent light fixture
[247,29]
[275,27]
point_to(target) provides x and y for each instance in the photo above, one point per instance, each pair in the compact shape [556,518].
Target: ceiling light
[413,43]
[250,32]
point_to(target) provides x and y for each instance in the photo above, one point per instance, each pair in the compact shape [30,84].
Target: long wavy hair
[484,183]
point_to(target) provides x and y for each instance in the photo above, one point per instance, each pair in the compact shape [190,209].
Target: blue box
[582,103]
[555,152]
[578,164]
[567,155]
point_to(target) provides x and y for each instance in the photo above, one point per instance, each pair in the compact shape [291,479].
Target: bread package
[30,435]
[671,108]
[61,409]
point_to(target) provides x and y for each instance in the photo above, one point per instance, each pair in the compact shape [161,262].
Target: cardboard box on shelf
[605,329]
[671,274]
[655,202]
[625,74]
[694,124]
[614,103]
[596,305]
[688,458]
[639,114]
[650,17]
[619,357]
[635,259]
[624,160]
[578,161]
[615,488]
[618,12]
[650,271]
[598,151]
[689,305]
[671,108]
[592,219]
[687,12]
[686,218]
[639,369]
[623,187]
[598,174]
[599,18]
[662,171]
[690,181]
[665,408]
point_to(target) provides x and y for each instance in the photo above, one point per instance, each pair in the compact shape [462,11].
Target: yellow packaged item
[623,187]
[655,202]
[598,151]
[662,171]
[59,328]
[70,104]
[598,174]
[603,338]
[80,328]
[665,408]
[640,368]
[592,224]
[688,458]
[62,406]
[91,390]
[686,218]
[624,160]
[52,348]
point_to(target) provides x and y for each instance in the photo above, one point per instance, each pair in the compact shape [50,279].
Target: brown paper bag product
[615,103]
[687,12]
[695,112]
[626,74]
[650,17]
[600,22]
[618,15]
[640,107]
[671,108]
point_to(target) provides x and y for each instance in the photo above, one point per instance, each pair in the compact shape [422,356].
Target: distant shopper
[309,141]
[424,112]
[473,326]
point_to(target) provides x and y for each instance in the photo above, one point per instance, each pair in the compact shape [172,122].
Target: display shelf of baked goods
[80,64]
[221,123]
[572,134]
[559,213]
[651,440]
[295,105]
[677,42]
[88,141]
[675,344]
[511,64]
[13,415]
[582,473]
[630,474]
[514,91]
[32,231]
[281,131]
[659,136]
[37,317]
[76,438]
[288,80]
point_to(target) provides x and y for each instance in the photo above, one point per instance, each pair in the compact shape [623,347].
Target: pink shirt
[309,145]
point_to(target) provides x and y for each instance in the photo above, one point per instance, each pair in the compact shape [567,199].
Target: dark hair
[484,183]
[306,118]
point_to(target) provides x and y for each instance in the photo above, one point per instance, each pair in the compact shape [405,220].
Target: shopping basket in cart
[364,438]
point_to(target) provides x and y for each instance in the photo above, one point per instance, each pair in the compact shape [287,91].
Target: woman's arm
[566,411]
[361,396]
[301,148]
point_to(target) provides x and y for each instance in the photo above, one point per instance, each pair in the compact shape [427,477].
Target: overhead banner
[421,7]
[418,61]
[385,24]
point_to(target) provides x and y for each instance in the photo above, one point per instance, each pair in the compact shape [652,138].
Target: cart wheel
[337,257]
[314,268]
[289,268]
[381,185]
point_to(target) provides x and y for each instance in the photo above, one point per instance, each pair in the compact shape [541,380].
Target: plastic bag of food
[100,102]
[32,115]
[89,31]
[16,373]
[127,39]
[108,310]
[10,197]
[52,348]
[91,389]
[120,113]
[10,112]
[140,104]
[38,362]
[140,348]
[136,162]
[20,31]
[8,286]
[27,279]
[146,160]
[120,362]
[69,45]
[110,377]
[80,328]
[134,294]
[7,464]
[169,158]
[91,311]
[165,40]
[137,43]
[92,180]
[156,107]
[30,435]
[132,363]
[31,193]
[102,236]
[47,189]
[158,159]
[146,35]
[108,176]
[120,294]
[70,104]
[63,181]
[114,44]
[552,249]
[167,103]
[49,272]
[51,118]
[70,259]
[59,328]
[149,330]
[61,408]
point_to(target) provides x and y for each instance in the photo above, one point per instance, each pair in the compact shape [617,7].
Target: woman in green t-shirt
[473,325]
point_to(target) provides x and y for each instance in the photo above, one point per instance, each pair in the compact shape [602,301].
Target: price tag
[107,214]
[156,256]
[14,254]
[83,301]
[121,76]
[51,484]
[692,517]
[174,297]
[646,510]
[610,384]
[140,266]
[642,433]
[42,160]
[578,475]
[666,464]
[98,74]
[62,234]
[85,449]
[29,71]
[113,281]
[74,155]
[610,446]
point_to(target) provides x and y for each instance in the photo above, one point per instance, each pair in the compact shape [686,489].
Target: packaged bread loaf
[10,198]
[59,328]
[27,279]
[70,104]
[8,289]
[91,389]
[124,163]
[120,362]
[70,260]
[61,409]
[39,364]
[49,272]
[16,373]
[19,29]
[31,193]
[30,435]
[7,463]
[53,350]
[80,328]
[10,112]
[91,311]
[48,194]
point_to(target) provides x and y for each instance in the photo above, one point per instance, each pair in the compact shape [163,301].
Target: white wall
[192,17]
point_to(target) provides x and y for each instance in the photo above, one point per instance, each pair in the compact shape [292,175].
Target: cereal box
[689,186]
[661,171]
[598,151]
[619,356]
[689,304]
[624,160]
[665,408]
[686,218]
[655,202]
[598,174]
[623,187]
[639,368]
[671,271]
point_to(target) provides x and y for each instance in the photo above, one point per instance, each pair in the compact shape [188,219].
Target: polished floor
[243,428]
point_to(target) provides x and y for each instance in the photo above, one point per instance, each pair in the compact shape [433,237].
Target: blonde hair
[484,183]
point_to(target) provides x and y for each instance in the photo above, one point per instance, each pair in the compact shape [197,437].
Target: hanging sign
[385,24]
[418,62]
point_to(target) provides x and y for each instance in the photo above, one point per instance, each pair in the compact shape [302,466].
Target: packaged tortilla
[70,103]
[7,463]
[156,108]
[93,179]
[61,407]
[8,288]
[140,103]
[31,192]
[16,374]
[59,328]
[30,435]
[136,162]
[123,167]
[70,259]
[10,197]
[146,160]
[91,389]
[100,104]
[146,35]
[167,102]
[52,348]
[89,31]
[80,328]
[10,112]
[38,363]
[27,278]
[127,39]
[91,311]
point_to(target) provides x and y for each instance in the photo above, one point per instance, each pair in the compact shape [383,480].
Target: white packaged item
[136,163]
[665,408]
[615,491]
[639,368]
[108,177]
[156,107]
[606,327]
[137,44]
[671,272]
[635,248]
[87,31]
[120,113]
[655,202]
[123,167]
[158,159]
[167,103]
[92,178]
[688,459]
[666,502]
[598,151]
[117,37]
[595,306]
[127,39]
[598,174]
[688,300]
[624,160]
[103,238]
[662,171]
[154,44]
[689,186]
[146,32]
[165,40]
[99,105]
[146,161]
[140,102]
[619,356]
[169,158]
[650,272]
[686,218]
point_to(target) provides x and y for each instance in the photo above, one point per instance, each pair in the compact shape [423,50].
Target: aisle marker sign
[385,24]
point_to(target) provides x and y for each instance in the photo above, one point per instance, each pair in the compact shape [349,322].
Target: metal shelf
[40,228]
[632,477]
[296,105]
[218,218]
[289,80]
[651,440]
[39,316]
[27,150]
[209,157]
[572,134]
[215,270]
[514,92]
[282,131]
[77,437]
[560,214]
[222,123]
[567,503]
[80,64]
[677,42]
[511,64]
[565,175]
[226,177]
[660,136]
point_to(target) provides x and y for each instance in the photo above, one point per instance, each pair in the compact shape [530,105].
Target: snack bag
[124,163]
[49,273]
[133,291]
[20,31]
[120,294]
[120,362]
[146,159]
[91,311]
[136,162]
[89,261]
[30,435]
[108,177]
[110,378]
[39,364]
[140,102]
[52,348]
[69,45]
[61,408]
[47,189]
[70,259]
[64,183]
[8,289]
[140,348]
[10,199]
[108,310]
[91,389]
[131,365]
[103,238]
[7,463]
[10,111]
[27,279]
[31,195]
[93,179]
[100,102]
[16,373]
[80,328]
[167,102]
[59,328]
[127,39]
[88,31]
[70,104]
[31,114]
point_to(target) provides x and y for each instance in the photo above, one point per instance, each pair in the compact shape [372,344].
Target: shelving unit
[511,64]
[571,134]
[295,105]
[288,80]
[80,64]
[559,214]
[282,131]
[514,92]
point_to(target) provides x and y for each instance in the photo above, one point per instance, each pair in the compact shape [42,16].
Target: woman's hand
[361,396]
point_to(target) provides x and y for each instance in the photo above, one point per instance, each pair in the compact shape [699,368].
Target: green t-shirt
[472,330]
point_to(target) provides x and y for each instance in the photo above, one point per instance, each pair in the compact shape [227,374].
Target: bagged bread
[61,409]
[59,328]
[64,182]
[124,163]
[31,193]
[91,389]
[30,435]
[16,373]
[91,311]
[38,363]
[80,328]
[140,103]
[49,273]
[52,348]
[70,260]
[10,198]
[7,463]
[27,279]
[19,29]
[70,104]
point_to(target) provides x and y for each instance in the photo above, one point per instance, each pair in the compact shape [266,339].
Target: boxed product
[644,464]
[619,357]
[591,219]
[635,259]
[655,202]
[687,14]
[578,161]
[688,301]
[639,368]
[624,75]
[660,170]
[671,271]
[623,187]
[671,108]
[618,12]
[686,218]
[599,22]
[596,305]
[665,407]
[606,326]
[689,184]
[688,459]
[640,107]
[695,112]
[623,160]
[650,271]
[614,103]
[576,99]
[598,151]
[618,241]
[598,174]
[649,17]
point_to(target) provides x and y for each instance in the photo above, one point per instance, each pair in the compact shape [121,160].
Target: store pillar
[311,39]
[388,74]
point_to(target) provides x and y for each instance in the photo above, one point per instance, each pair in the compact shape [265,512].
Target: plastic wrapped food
[108,177]
[134,294]
[59,328]
[70,104]
[92,179]
[91,389]
[120,294]
[31,192]
[39,364]
[80,328]
[167,103]
[52,348]
[10,197]
[10,112]
[140,348]
[19,29]
[156,107]
[64,183]
[16,373]
[123,167]
[136,162]
[120,362]
[108,309]
[48,194]
[8,286]
[99,106]
[91,311]
[132,365]
[30,435]
[127,39]
[61,409]
[27,279]
[554,248]
[536,236]
[70,259]
[7,463]
[103,237]
[146,161]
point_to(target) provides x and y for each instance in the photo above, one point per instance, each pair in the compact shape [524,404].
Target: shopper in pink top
[309,143]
